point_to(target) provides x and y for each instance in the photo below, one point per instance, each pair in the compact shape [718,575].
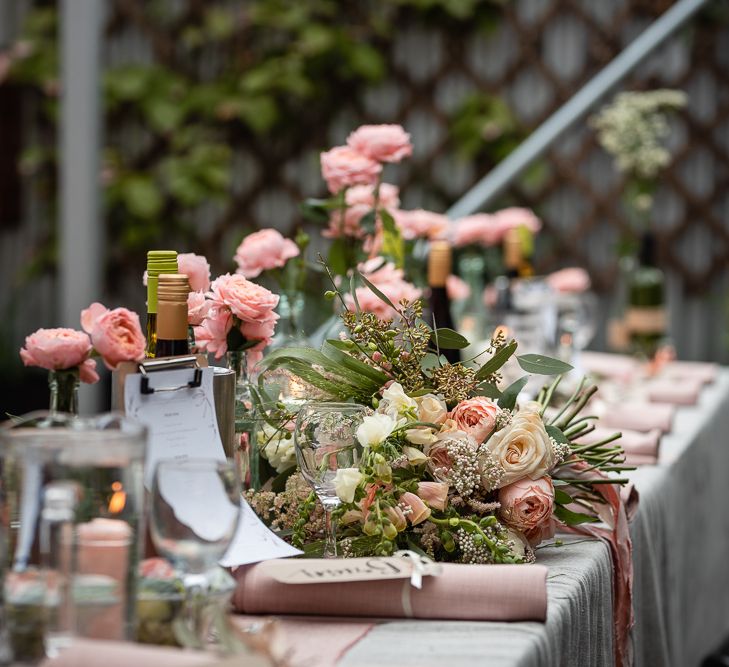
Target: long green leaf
[562,497]
[378,293]
[540,365]
[509,395]
[572,518]
[447,339]
[336,350]
[557,434]
[488,390]
[497,361]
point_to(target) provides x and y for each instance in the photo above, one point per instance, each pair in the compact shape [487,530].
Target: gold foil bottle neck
[173,287]
[440,259]
[513,255]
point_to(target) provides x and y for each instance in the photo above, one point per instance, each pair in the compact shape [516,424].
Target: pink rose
[481,228]
[212,334]
[347,224]
[197,308]
[414,508]
[389,196]
[476,416]
[87,372]
[383,143]
[420,224]
[569,280]
[528,506]
[457,288]
[197,270]
[510,218]
[248,302]
[58,349]
[342,167]
[434,494]
[116,334]
[264,250]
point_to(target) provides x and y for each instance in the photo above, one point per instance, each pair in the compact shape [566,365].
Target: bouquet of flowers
[450,467]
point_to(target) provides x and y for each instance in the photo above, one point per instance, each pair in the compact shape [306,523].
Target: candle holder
[72,514]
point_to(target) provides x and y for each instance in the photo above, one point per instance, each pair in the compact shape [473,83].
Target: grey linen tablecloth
[681,574]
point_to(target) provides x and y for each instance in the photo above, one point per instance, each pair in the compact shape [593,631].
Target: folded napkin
[639,416]
[618,367]
[683,392]
[697,370]
[473,592]
[640,448]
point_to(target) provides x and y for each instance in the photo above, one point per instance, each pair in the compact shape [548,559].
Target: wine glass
[194,515]
[576,322]
[325,439]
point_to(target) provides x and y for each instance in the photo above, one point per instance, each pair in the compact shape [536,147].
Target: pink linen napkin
[683,392]
[463,592]
[619,367]
[639,417]
[640,448]
[704,372]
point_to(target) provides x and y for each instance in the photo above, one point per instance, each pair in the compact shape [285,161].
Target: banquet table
[680,536]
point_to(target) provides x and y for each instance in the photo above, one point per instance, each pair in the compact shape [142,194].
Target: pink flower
[481,228]
[569,280]
[414,508]
[476,416]
[457,288]
[396,515]
[383,143]
[509,218]
[197,308]
[389,280]
[60,349]
[389,196]
[420,224]
[264,250]
[434,494]
[342,167]
[212,334]
[116,334]
[528,506]
[347,224]
[248,302]
[197,270]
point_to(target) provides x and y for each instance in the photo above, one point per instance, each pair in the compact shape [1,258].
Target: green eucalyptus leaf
[447,339]
[497,361]
[561,497]
[510,394]
[571,518]
[488,390]
[541,365]
[557,434]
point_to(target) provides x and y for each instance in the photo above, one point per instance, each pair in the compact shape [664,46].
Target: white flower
[375,429]
[431,409]
[421,436]
[414,455]
[395,399]
[523,448]
[274,446]
[346,482]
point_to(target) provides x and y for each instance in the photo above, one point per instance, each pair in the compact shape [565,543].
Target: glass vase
[64,386]
[289,330]
[245,454]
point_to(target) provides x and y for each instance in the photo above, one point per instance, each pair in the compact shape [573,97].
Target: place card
[182,423]
[345,570]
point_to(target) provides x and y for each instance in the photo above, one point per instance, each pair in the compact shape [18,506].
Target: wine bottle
[518,244]
[172,339]
[158,261]
[646,319]
[440,260]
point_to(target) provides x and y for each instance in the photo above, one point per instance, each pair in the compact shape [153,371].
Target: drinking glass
[325,439]
[576,323]
[194,515]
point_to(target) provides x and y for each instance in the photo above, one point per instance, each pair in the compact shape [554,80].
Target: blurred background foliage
[269,75]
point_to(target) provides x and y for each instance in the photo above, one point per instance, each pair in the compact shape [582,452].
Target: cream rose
[346,482]
[375,429]
[394,399]
[431,409]
[523,448]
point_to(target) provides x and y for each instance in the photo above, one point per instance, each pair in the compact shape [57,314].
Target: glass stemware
[194,514]
[576,323]
[325,439]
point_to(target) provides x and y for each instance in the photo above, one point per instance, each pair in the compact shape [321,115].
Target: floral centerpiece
[451,467]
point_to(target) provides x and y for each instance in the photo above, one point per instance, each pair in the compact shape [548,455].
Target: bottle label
[646,320]
[171,320]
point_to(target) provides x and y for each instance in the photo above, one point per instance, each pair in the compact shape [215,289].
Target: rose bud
[435,494]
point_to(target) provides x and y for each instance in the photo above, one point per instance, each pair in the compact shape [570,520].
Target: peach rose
[87,372]
[510,218]
[480,228]
[420,224]
[264,250]
[342,167]
[457,288]
[388,196]
[434,494]
[197,308]
[528,506]
[347,223]
[248,302]
[523,448]
[413,508]
[569,280]
[116,334]
[57,349]
[212,334]
[476,416]
[431,409]
[197,270]
[383,143]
